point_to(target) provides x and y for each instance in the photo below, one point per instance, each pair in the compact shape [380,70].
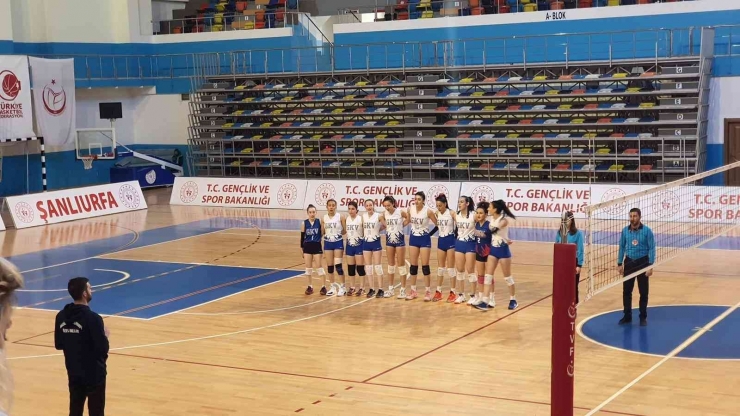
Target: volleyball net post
[563,324]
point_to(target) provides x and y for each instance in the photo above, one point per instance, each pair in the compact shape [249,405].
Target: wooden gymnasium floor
[274,351]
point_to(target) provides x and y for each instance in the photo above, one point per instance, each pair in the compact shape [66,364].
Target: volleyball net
[698,211]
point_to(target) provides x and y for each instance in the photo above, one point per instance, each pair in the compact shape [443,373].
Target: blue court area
[139,289]
[668,327]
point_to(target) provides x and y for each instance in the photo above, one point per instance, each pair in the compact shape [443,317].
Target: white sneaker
[460,299]
[388,293]
[492,303]
[473,300]
[332,290]
[401,293]
[342,291]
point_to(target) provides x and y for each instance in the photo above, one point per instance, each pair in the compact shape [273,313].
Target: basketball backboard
[96,142]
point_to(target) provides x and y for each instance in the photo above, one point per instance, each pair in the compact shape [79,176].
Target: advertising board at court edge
[319,192]
[75,204]
[239,192]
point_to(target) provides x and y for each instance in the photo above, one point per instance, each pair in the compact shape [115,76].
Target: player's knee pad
[509,280]
[369,270]
[379,269]
[402,271]
[460,277]
[452,272]
[472,278]
[320,271]
[414,270]
[330,269]
[488,279]
[309,271]
[361,270]
[426,270]
[440,271]
[481,280]
[351,269]
[392,270]
[340,269]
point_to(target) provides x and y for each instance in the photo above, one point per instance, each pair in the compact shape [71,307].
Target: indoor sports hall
[174,154]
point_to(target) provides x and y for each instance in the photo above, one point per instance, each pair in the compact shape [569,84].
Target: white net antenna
[682,215]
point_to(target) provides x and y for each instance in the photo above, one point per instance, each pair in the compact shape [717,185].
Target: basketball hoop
[88,161]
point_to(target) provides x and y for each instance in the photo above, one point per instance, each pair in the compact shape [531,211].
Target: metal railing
[390,10]
[521,50]
[227,21]
[561,48]
[727,40]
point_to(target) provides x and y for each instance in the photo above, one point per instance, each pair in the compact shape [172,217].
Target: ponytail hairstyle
[443,199]
[483,205]
[469,203]
[572,229]
[422,195]
[308,208]
[390,199]
[501,207]
[353,204]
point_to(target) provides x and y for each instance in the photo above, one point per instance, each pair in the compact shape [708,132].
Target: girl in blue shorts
[333,231]
[500,219]
[373,252]
[445,246]
[355,240]
[483,236]
[420,244]
[394,220]
[311,247]
[464,248]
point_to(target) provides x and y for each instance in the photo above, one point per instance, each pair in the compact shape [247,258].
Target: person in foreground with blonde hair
[10,281]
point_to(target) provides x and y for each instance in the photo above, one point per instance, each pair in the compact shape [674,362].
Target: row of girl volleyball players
[473,241]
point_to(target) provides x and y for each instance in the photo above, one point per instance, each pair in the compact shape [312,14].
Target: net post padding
[563,329]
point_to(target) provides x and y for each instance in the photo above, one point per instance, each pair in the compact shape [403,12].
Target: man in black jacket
[83,337]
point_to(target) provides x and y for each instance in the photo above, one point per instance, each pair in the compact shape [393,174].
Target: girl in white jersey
[420,244]
[333,232]
[355,258]
[445,246]
[500,217]
[394,220]
[371,248]
[464,248]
